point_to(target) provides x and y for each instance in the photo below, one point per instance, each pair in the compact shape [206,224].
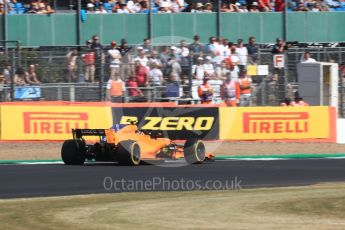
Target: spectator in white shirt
[226,50]
[242,53]
[155,59]
[165,6]
[181,5]
[232,61]
[219,53]
[243,8]
[133,6]
[155,75]
[164,3]
[101,10]
[142,57]
[123,9]
[198,8]
[175,8]
[90,8]
[183,53]
[234,58]
[115,60]
[183,50]
[221,71]
[198,69]
[234,72]
[209,71]
[306,58]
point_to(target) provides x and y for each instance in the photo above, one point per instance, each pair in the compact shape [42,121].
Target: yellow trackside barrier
[277,123]
[50,122]
[54,120]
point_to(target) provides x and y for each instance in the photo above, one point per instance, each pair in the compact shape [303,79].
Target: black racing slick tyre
[194,151]
[128,153]
[72,153]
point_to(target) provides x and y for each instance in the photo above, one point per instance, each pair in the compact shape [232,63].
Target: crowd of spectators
[21,77]
[25,80]
[216,71]
[169,67]
[210,72]
[176,6]
[34,7]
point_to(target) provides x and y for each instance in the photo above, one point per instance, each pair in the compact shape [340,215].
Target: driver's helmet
[117,127]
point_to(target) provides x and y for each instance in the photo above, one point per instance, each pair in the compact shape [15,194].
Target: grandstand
[111,6]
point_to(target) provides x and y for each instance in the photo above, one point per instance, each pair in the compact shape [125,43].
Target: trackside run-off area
[311,207]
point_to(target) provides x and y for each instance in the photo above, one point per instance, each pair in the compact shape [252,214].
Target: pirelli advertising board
[53,121]
[29,122]
[174,122]
[274,123]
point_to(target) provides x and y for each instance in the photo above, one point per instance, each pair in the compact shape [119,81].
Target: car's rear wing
[79,133]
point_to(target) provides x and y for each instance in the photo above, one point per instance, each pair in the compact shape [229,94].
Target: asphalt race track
[59,179]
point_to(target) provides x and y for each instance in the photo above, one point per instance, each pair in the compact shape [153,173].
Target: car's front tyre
[128,153]
[194,151]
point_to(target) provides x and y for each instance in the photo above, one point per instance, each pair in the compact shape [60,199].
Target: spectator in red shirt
[279,5]
[141,73]
[265,5]
[89,63]
[132,85]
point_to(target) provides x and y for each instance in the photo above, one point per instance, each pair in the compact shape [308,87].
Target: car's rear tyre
[194,151]
[72,152]
[128,153]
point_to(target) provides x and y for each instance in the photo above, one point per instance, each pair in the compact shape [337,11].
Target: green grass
[310,207]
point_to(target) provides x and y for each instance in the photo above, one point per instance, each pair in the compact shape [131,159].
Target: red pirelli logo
[275,122]
[53,122]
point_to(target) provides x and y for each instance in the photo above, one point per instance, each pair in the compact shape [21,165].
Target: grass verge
[310,207]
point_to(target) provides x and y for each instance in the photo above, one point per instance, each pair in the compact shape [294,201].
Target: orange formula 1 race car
[128,146]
